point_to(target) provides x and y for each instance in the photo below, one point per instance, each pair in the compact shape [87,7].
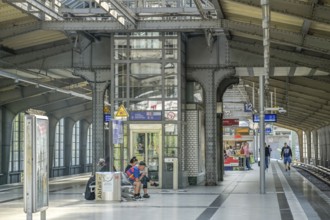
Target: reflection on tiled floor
[237,197]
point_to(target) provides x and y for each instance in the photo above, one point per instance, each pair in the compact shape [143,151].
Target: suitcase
[90,189]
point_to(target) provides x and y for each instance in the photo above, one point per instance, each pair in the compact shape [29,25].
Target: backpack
[90,189]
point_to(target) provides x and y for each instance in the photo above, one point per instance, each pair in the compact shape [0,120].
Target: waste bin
[108,186]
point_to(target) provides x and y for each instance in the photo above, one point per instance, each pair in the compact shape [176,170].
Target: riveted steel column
[99,80]
[309,146]
[266,43]
[98,123]
[316,146]
[210,125]
[210,79]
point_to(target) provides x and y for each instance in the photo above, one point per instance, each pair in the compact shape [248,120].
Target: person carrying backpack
[286,154]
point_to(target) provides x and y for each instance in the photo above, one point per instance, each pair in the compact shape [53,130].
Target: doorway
[146,146]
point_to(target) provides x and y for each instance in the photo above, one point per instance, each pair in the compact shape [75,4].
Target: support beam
[18,30]
[310,10]
[284,37]
[40,6]
[19,59]
[297,59]
[304,31]
[99,80]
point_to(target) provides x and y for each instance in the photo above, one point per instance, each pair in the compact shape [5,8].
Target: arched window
[89,145]
[16,160]
[75,144]
[59,144]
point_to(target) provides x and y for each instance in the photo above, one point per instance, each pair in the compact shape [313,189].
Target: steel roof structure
[33,30]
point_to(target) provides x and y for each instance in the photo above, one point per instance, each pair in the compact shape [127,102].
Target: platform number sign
[248,107]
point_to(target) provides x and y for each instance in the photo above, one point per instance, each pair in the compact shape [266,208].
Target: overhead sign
[230,122]
[268,118]
[145,116]
[107,117]
[248,107]
[121,111]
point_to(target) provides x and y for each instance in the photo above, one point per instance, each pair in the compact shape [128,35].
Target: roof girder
[295,58]
[301,9]
[294,93]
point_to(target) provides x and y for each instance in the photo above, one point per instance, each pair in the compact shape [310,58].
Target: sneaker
[137,197]
[146,196]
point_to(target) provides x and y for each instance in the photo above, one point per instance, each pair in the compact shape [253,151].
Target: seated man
[135,178]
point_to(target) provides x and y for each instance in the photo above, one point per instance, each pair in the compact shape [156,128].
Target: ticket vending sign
[36,189]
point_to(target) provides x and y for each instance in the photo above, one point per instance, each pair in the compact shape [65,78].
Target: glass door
[146,146]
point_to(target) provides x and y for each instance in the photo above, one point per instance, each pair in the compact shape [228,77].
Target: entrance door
[146,146]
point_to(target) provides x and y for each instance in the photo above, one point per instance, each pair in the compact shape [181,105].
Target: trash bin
[108,186]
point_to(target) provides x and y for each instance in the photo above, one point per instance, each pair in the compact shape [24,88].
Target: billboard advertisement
[36,189]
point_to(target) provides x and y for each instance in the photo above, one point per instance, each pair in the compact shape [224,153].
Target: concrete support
[6,129]
[99,80]
[309,146]
[210,79]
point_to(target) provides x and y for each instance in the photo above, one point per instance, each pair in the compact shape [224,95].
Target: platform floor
[288,196]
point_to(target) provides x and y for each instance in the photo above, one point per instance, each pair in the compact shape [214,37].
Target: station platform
[288,196]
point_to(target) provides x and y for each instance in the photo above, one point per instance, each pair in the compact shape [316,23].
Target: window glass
[146,54]
[145,68]
[16,159]
[59,144]
[75,144]
[145,105]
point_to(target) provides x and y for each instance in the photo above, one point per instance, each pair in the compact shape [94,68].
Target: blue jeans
[247,161]
[266,162]
[144,182]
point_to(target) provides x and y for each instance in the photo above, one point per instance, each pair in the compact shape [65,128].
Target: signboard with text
[268,118]
[145,116]
[36,189]
[230,122]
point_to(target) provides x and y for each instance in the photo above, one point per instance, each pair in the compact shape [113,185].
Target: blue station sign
[107,117]
[145,116]
[268,118]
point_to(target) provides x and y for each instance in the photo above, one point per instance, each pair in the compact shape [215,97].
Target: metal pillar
[99,80]
[210,79]
[266,43]
[301,148]
[309,146]
[316,146]
[210,122]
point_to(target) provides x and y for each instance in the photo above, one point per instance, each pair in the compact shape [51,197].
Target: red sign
[230,122]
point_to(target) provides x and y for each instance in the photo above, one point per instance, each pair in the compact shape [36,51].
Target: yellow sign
[106,109]
[122,112]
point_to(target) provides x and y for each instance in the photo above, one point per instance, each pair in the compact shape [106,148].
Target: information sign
[230,122]
[36,188]
[248,107]
[107,117]
[268,118]
[145,116]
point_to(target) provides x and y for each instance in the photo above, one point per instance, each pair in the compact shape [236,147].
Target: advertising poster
[41,164]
